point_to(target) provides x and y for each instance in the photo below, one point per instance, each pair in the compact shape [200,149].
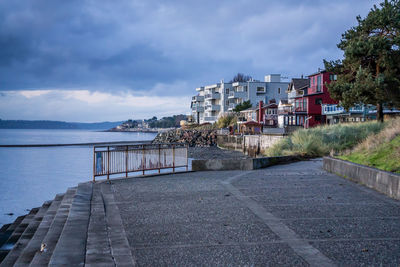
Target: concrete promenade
[293,215]
[287,215]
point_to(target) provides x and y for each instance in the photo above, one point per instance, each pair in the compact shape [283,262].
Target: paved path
[293,215]
[287,215]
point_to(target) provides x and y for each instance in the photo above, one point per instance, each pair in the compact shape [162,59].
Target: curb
[242,164]
[385,182]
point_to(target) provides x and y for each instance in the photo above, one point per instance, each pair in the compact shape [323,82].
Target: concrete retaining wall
[240,164]
[385,182]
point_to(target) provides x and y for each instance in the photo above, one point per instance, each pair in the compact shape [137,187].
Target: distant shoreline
[53,125]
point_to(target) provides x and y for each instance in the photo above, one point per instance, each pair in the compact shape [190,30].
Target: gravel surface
[214,152]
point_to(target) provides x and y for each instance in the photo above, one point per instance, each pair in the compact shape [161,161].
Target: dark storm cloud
[142,45]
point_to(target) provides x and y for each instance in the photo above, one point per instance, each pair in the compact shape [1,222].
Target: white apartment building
[213,101]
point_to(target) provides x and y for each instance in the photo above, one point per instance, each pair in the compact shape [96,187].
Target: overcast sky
[98,60]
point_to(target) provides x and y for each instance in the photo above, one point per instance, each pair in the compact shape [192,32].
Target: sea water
[31,175]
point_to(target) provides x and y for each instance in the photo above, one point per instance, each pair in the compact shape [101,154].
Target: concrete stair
[23,239]
[5,234]
[34,244]
[19,229]
[42,258]
[81,227]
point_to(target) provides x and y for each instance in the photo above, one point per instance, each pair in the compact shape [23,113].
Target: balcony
[213,96]
[231,106]
[198,109]
[295,93]
[357,109]
[237,95]
[300,109]
[198,98]
[213,107]
[335,109]
[199,89]
[210,119]
[332,109]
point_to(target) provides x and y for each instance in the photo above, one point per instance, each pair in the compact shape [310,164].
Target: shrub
[322,140]
[226,121]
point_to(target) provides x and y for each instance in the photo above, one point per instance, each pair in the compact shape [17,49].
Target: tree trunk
[379,112]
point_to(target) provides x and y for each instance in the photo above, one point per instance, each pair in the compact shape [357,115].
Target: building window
[318,101]
[227,91]
[227,102]
[319,83]
[332,77]
[279,90]
[260,90]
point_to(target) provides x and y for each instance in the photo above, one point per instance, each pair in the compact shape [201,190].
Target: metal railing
[110,160]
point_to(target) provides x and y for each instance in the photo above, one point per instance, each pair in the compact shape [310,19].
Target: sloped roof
[298,83]
[272,105]
[251,123]
[249,109]
[318,72]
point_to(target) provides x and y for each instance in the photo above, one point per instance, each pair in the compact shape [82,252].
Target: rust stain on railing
[123,159]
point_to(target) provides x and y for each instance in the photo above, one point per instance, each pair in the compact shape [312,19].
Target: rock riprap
[193,138]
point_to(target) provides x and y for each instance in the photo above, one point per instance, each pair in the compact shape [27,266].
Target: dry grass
[381,150]
[391,131]
[322,140]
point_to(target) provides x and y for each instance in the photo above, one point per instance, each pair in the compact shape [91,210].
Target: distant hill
[25,124]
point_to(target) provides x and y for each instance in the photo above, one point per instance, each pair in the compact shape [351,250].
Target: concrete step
[26,236]
[98,251]
[19,230]
[71,246]
[120,249]
[42,258]
[4,228]
[4,236]
[8,229]
[35,242]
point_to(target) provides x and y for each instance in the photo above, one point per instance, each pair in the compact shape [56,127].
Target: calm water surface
[29,176]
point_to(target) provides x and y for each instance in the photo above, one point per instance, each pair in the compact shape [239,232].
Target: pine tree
[370,70]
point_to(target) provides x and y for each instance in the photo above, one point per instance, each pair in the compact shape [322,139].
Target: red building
[308,107]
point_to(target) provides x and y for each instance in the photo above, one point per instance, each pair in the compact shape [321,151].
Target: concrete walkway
[286,215]
[295,214]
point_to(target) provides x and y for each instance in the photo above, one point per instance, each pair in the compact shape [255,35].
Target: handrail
[110,160]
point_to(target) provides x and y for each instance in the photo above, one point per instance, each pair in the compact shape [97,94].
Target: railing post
[94,164]
[159,158]
[108,163]
[126,162]
[187,159]
[143,159]
[173,158]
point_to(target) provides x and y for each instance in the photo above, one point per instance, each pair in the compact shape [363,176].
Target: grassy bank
[380,150]
[322,140]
